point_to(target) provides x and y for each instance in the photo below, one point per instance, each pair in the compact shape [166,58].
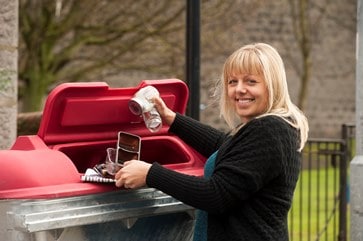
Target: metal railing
[319,210]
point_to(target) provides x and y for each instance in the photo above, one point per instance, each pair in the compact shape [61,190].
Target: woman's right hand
[166,114]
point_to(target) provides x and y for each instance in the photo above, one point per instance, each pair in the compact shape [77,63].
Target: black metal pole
[342,236]
[193,56]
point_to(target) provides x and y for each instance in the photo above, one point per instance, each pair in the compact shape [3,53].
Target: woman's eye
[232,81]
[251,81]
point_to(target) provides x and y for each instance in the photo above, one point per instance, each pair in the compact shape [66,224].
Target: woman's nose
[241,88]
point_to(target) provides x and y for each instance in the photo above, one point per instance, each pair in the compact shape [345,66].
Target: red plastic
[79,122]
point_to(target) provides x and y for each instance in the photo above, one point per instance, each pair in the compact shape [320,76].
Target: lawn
[314,214]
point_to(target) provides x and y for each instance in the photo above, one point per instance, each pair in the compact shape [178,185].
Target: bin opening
[166,150]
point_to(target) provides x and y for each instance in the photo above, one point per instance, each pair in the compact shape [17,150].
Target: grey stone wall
[8,71]
[331,97]
[331,89]
[331,93]
[356,166]
[356,198]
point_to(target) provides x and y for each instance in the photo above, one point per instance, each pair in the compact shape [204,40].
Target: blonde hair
[262,59]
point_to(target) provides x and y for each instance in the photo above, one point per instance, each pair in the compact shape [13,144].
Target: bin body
[42,196]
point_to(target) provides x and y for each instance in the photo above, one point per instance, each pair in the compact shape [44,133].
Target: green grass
[314,214]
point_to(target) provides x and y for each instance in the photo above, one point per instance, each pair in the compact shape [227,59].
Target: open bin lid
[93,111]
[78,113]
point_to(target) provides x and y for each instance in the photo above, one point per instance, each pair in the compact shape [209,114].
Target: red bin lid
[92,111]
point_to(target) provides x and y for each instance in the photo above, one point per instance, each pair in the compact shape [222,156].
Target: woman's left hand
[132,174]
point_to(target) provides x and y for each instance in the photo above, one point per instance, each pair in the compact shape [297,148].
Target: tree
[301,25]
[73,40]
[307,17]
[85,40]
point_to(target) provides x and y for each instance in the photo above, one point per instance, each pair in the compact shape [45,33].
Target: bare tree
[301,25]
[85,40]
[306,18]
[72,40]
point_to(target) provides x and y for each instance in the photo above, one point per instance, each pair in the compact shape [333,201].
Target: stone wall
[331,93]
[8,71]
[331,97]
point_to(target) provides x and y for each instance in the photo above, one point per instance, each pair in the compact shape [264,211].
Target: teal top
[201,223]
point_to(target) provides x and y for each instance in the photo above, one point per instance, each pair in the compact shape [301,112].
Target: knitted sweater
[250,191]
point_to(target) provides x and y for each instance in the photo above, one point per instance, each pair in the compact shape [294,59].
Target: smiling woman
[249,92]
[251,173]
[261,68]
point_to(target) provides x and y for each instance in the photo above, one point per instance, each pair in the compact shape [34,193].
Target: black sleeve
[252,158]
[203,138]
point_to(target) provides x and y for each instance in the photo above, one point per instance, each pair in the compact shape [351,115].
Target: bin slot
[166,150]
[86,154]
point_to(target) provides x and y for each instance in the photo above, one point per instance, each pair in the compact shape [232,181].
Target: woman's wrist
[169,117]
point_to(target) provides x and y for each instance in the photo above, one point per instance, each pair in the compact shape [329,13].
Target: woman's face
[248,94]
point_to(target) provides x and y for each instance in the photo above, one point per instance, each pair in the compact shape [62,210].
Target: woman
[251,172]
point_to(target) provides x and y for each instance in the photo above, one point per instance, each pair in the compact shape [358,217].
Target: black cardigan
[250,192]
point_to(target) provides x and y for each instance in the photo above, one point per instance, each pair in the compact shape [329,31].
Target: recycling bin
[42,196]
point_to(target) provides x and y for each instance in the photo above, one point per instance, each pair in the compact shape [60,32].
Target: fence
[319,210]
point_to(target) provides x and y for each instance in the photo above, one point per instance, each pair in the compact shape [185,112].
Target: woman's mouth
[245,100]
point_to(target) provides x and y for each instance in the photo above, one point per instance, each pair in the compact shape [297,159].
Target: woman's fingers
[133,174]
